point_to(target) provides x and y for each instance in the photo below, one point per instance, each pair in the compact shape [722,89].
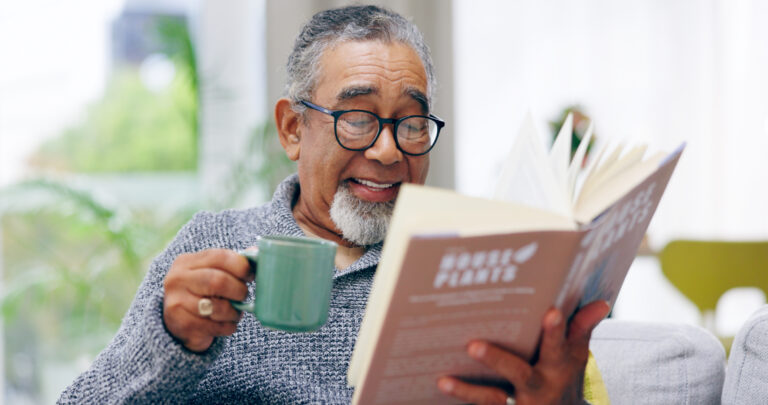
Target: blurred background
[121,118]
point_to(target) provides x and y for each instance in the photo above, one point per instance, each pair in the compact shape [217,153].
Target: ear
[287,122]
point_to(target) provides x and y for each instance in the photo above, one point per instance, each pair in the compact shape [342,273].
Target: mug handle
[248,306]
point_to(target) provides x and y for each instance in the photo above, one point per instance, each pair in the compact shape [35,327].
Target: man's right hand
[217,274]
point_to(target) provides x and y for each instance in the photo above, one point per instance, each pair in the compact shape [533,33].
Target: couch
[746,379]
[664,363]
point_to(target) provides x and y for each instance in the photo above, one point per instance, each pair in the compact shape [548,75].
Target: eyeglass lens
[357,129]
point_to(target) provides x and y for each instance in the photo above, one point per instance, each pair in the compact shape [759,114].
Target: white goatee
[360,222]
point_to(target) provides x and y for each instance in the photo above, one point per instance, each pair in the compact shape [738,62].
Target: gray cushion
[746,381]
[658,363]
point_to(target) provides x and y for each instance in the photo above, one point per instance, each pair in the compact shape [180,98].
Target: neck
[347,252]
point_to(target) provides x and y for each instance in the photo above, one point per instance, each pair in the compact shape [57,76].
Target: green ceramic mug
[294,276]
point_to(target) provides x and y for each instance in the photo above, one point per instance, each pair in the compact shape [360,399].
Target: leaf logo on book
[462,269]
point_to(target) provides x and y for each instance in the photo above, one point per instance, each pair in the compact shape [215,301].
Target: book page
[593,202]
[588,172]
[528,178]
[560,154]
[629,159]
[597,171]
[576,164]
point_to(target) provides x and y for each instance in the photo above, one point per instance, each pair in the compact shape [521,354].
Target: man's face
[385,78]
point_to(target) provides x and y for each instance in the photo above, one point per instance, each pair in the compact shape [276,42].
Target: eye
[358,123]
[413,128]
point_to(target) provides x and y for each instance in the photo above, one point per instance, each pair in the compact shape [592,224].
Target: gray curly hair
[353,23]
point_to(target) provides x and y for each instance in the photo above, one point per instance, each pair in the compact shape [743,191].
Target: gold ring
[205,307]
[511,400]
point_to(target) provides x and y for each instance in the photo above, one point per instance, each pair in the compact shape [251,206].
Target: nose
[385,149]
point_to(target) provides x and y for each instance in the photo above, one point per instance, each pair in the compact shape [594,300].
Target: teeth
[374,185]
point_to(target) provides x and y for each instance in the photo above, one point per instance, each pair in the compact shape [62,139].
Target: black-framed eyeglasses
[358,130]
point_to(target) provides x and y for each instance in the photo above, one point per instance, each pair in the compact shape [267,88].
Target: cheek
[419,168]
[324,164]
[316,148]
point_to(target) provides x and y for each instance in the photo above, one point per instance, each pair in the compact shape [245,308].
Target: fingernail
[554,320]
[607,308]
[445,385]
[477,350]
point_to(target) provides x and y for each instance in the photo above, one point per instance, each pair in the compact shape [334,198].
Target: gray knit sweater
[145,364]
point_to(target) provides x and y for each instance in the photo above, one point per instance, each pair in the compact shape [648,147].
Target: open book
[456,268]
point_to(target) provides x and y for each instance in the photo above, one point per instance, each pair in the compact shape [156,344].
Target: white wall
[656,71]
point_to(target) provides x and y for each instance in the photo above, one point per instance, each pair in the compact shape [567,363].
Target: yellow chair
[704,270]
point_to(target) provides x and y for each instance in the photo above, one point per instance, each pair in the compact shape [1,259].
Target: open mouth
[373,184]
[374,191]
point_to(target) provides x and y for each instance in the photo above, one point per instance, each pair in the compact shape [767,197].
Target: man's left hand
[557,377]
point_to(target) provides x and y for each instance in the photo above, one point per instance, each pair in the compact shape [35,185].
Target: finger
[215,283]
[208,327]
[250,254]
[223,259]
[585,320]
[475,394]
[223,311]
[553,337]
[185,327]
[193,332]
[514,369]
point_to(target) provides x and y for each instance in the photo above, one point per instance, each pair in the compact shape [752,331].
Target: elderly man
[359,78]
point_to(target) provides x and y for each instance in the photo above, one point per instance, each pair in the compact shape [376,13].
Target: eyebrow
[355,91]
[351,92]
[419,96]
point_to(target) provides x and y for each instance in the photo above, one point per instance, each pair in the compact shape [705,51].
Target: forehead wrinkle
[370,69]
[391,71]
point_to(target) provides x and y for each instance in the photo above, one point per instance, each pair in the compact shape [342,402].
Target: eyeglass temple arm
[317,107]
